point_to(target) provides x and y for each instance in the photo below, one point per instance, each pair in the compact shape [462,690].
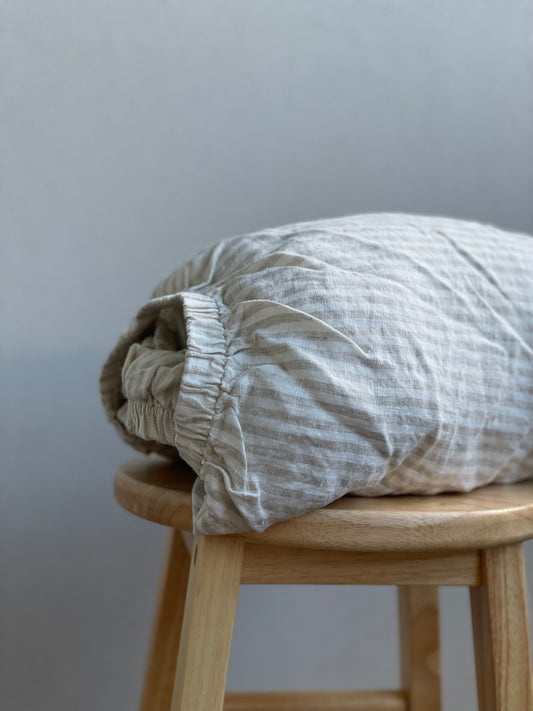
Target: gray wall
[133,134]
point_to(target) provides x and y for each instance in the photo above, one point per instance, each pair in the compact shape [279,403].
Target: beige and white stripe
[370,354]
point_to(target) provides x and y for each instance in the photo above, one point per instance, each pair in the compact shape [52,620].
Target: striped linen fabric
[371,354]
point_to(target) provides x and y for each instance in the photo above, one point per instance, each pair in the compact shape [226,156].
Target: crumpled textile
[370,354]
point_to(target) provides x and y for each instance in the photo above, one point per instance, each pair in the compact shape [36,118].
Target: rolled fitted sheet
[368,355]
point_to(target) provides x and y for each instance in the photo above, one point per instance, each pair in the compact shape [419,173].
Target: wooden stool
[414,542]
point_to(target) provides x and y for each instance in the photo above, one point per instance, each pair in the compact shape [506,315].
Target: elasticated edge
[187,421]
[205,361]
[110,380]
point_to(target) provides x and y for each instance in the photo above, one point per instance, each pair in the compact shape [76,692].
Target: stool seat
[416,543]
[159,490]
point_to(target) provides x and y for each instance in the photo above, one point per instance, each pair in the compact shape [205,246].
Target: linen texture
[371,354]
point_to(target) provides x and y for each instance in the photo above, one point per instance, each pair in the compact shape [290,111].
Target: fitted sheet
[372,354]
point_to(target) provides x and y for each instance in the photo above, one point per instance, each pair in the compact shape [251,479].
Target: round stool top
[160,491]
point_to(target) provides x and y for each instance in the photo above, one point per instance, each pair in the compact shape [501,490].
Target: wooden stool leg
[500,626]
[418,608]
[205,643]
[163,654]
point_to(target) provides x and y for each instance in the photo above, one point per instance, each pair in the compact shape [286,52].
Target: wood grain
[418,610]
[317,701]
[500,626]
[208,624]
[267,564]
[160,490]
[416,542]
[166,631]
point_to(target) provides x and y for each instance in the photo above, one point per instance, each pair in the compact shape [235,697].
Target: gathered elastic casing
[369,355]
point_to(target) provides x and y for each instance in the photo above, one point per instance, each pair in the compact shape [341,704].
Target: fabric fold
[159,398]
[369,355]
[202,375]
[164,401]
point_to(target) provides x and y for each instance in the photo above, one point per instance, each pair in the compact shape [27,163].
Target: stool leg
[205,643]
[418,608]
[163,654]
[500,626]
